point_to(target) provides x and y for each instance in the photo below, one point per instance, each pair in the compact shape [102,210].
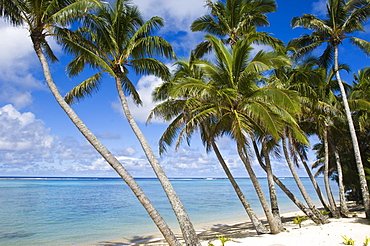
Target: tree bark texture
[271,185]
[329,193]
[302,189]
[356,148]
[257,224]
[270,218]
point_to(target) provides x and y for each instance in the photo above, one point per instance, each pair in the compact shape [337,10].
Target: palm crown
[113,40]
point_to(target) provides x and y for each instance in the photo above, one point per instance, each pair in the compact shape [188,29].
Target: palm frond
[85,88]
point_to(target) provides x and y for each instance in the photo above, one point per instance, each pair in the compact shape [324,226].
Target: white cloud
[27,147]
[319,8]
[17,65]
[181,13]
[178,16]
[23,139]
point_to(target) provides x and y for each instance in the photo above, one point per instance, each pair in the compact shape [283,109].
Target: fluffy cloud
[17,65]
[28,148]
[23,139]
[178,16]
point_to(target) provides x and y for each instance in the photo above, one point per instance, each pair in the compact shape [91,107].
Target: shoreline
[241,232]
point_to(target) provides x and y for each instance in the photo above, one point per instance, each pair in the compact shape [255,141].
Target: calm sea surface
[76,211]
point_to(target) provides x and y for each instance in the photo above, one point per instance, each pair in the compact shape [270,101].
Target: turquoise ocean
[83,211]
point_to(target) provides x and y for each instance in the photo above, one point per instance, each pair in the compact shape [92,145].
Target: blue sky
[37,138]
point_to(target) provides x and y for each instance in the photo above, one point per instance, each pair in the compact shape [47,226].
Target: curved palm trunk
[342,198]
[272,190]
[333,206]
[187,228]
[313,180]
[105,153]
[285,189]
[270,218]
[303,191]
[356,148]
[258,226]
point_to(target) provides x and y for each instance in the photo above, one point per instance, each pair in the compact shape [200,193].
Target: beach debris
[299,219]
[222,239]
[348,241]
[367,241]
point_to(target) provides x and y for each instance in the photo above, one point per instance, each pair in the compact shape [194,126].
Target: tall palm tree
[303,78]
[113,41]
[179,107]
[231,100]
[343,19]
[42,19]
[231,20]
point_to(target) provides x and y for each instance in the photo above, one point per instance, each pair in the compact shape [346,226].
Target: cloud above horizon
[17,66]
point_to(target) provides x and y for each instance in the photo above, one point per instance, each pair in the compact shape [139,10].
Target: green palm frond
[153,45]
[70,13]
[86,88]
[362,44]
[150,66]
[129,88]
[10,11]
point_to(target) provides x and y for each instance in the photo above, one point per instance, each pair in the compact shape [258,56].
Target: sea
[87,211]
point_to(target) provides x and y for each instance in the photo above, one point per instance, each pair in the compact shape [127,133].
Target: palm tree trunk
[356,148]
[333,206]
[106,154]
[285,189]
[313,180]
[187,228]
[270,218]
[257,224]
[342,198]
[303,191]
[272,190]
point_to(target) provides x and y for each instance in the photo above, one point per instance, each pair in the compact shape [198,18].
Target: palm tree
[179,108]
[266,148]
[43,18]
[231,100]
[231,20]
[285,189]
[302,78]
[113,41]
[342,198]
[298,181]
[343,19]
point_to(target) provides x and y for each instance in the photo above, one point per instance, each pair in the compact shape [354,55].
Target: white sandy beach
[242,233]
[310,234]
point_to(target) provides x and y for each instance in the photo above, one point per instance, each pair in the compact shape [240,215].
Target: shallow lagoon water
[77,211]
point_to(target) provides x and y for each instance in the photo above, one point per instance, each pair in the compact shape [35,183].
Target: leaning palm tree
[285,189]
[231,100]
[180,107]
[343,19]
[286,134]
[231,20]
[301,78]
[43,18]
[113,41]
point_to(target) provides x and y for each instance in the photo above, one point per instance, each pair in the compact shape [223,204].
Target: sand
[310,234]
[241,233]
